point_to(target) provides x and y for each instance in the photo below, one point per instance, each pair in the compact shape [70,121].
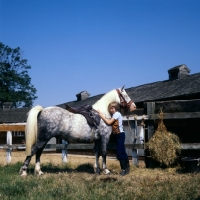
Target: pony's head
[125,101]
[117,95]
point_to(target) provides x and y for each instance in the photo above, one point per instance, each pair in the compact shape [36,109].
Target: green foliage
[15,83]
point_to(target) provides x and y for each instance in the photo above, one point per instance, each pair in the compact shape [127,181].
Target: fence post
[150,124]
[150,129]
[134,151]
[9,151]
[64,152]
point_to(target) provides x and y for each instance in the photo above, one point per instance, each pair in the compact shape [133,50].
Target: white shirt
[117,116]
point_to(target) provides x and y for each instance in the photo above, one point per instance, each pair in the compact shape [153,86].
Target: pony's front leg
[105,170]
[104,144]
[96,165]
[23,169]
[97,148]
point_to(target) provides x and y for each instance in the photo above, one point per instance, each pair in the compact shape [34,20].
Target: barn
[178,96]
[13,120]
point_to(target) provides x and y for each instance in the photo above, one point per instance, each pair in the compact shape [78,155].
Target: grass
[77,182]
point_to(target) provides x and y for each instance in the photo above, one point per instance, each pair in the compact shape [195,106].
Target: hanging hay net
[164,146]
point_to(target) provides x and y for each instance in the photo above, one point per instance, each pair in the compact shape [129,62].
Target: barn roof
[179,67]
[13,115]
[169,89]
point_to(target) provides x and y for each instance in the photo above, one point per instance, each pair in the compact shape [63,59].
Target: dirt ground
[54,158]
[140,173]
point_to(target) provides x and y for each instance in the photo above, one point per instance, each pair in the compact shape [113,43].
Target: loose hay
[164,146]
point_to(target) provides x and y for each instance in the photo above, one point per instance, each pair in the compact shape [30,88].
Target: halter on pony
[123,102]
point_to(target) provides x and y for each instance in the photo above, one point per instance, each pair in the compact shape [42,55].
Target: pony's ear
[122,88]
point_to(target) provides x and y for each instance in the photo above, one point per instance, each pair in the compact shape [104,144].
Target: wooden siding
[188,130]
[12,127]
[3,137]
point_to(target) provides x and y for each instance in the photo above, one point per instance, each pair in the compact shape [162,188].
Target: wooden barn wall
[18,140]
[3,137]
[178,106]
[15,139]
[188,130]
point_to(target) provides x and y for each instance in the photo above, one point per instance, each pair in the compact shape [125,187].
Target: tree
[15,83]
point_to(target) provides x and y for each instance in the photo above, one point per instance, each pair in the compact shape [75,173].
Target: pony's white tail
[31,128]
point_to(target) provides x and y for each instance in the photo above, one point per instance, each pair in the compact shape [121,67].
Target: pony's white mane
[103,103]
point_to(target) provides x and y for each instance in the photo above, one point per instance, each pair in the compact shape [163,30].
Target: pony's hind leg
[36,149]
[23,169]
[37,163]
[39,151]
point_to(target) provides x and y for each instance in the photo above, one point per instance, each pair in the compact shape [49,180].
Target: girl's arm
[107,121]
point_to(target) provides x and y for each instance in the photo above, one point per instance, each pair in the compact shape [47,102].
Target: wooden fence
[65,147]
[80,146]
[173,110]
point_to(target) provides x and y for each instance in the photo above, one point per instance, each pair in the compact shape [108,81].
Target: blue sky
[99,45]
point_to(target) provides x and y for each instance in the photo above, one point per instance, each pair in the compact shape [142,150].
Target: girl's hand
[100,113]
[107,121]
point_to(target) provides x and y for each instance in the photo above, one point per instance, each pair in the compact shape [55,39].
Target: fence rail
[79,146]
[112,146]
[180,115]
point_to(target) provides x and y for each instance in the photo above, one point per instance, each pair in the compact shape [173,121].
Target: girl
[117,130]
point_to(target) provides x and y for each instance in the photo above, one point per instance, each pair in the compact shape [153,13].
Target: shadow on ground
[86,168]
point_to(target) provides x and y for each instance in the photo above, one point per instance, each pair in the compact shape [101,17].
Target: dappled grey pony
[43,124]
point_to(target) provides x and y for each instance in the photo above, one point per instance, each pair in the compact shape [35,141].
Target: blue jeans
[121,151]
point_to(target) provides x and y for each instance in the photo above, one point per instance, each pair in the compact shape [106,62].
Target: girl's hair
[113,105]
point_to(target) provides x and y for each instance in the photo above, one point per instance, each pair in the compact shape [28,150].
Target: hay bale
[164,146]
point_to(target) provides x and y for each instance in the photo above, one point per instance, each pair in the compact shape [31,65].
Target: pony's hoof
[97,171]
[106,172]
[23,174]
[39,173]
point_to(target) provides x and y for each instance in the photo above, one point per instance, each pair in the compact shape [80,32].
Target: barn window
[19,133]
[7,105]
[174,75]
